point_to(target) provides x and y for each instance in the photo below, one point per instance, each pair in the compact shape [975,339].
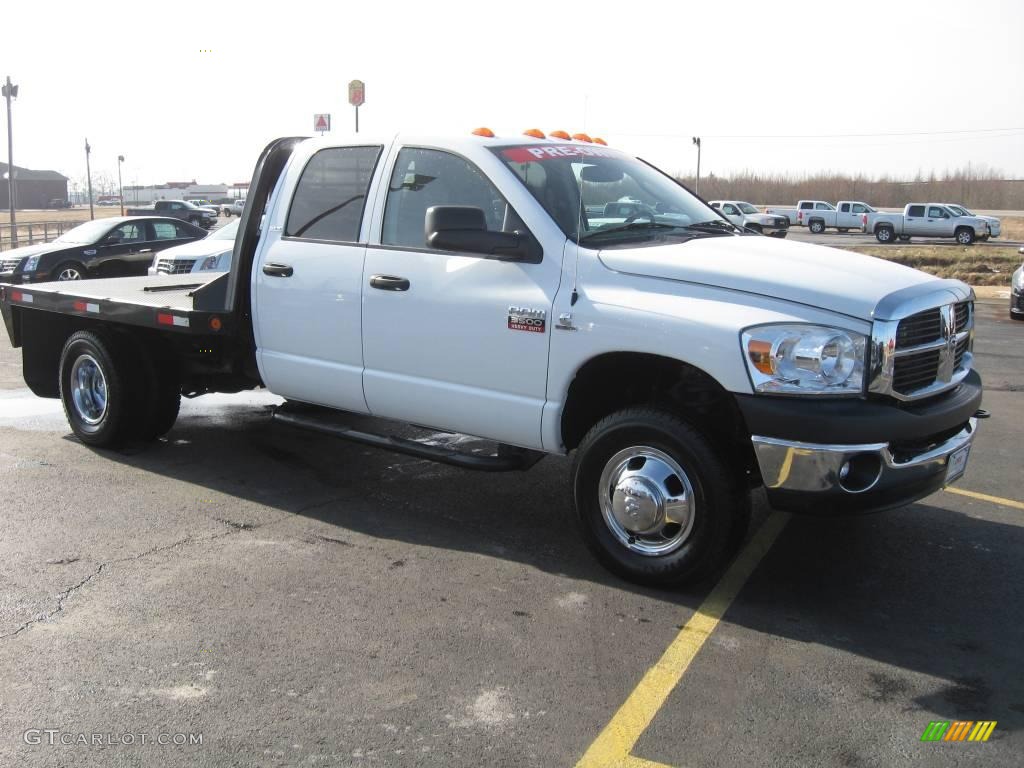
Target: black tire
[68,268]
[984,238]
[162,389]
[1016,316]
[964,235]
[844,230]
[717,510]
[816,227]
[885,234]
[904,238]
[113,421]
[755,228]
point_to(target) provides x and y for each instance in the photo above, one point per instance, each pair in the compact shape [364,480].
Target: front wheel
[965,236]
[69,271]
[654,502]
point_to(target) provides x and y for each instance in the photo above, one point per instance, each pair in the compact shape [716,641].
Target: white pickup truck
[994,225]
[461,284]
[818,215]
[926,220]
[746,215]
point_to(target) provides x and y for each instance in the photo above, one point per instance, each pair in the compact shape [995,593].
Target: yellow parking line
[612,747]
[986,497]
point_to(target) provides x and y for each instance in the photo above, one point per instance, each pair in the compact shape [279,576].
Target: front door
[455,341]
[116,253]
[308,283]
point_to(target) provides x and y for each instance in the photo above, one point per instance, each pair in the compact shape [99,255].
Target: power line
[824,135]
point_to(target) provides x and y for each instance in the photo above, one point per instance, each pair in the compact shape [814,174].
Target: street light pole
[120,188]
[10,91]
[88,178]
[696,184]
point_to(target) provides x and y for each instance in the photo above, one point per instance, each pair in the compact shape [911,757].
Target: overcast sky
[195,89]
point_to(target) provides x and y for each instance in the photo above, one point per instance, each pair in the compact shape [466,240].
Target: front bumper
[898,453]
[830,479]
[1016,300]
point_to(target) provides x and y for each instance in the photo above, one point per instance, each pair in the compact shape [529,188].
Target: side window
[716,205]
[822,207]
[329,199]
[915,210]
[130,233]
[858,208]
[845,208]
[934,212]
[806,206]
[181,231]
[427,177]
[165,230]
[731,210]
[177,207]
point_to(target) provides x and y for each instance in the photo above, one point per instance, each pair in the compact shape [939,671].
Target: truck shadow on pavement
[924,589]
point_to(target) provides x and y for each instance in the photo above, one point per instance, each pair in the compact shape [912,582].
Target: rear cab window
[330,197]
[915,210]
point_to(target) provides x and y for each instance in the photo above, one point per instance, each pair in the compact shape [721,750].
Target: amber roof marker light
[583,137]
[536,133]
[487,133]
[560,135]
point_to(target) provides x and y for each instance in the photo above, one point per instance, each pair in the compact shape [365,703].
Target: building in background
[33,189]
[176,190]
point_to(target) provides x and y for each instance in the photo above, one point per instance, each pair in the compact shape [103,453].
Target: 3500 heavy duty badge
[525,319]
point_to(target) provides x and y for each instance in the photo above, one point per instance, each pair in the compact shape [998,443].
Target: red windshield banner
[540,152]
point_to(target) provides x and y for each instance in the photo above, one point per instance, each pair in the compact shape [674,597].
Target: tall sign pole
[696,184]
[88,177]
[10,91]
[120,188]
[357,97]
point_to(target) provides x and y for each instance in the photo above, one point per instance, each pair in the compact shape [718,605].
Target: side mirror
[464,228]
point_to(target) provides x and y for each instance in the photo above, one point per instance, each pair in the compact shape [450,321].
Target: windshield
[747,208]
[959,210]
[227,232]
[622,198]
[89,232]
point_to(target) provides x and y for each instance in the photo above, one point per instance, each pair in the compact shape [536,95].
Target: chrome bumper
[860,477]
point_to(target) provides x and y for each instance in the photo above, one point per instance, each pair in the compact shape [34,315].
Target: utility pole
[88,177]
[120,188]
[10,91]
[696,184]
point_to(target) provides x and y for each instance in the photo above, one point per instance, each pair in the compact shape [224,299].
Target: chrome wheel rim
[964,238]
[646,501]
[88,390]
[69,273]
[883,235]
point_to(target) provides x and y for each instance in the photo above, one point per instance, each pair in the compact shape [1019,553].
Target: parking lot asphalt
[302,601]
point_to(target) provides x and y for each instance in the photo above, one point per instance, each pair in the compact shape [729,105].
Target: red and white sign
[321,123]
[539,152]
[357,93]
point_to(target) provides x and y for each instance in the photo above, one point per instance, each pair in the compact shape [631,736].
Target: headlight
[30,264]
[1018,280]
[805,359]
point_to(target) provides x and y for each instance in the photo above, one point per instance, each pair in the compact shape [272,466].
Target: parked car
[1017,291]
[746,215]
[235,208]
[112,247]
[179,209]
[459,283]
[59,202]
[925,220]
[994,225]
[819,215]
[211,254]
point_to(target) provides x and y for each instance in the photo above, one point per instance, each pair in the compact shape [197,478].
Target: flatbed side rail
[192,322]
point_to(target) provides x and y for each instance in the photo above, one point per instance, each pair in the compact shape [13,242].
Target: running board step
[508,459]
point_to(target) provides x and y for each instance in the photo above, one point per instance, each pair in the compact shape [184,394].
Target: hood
[827,278]
[197,249]
[30,250]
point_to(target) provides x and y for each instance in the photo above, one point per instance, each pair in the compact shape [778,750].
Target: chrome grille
[9,265]
[174,266]
[924,353]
